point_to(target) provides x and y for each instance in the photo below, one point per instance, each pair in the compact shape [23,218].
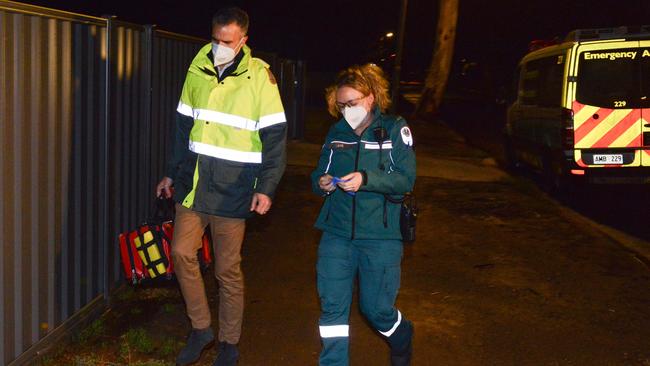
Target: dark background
[330,35]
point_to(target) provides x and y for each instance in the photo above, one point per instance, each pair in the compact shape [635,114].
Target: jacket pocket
[233,173]
[231,186]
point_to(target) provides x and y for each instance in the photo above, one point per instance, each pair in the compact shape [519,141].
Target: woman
[366,160]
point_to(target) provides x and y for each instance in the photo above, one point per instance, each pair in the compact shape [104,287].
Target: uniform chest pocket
[342,146]
[376,156]
[342,157]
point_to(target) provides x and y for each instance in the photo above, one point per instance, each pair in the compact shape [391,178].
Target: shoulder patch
[407,136]
[271,77]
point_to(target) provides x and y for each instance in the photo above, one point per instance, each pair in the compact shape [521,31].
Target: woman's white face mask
[354,115]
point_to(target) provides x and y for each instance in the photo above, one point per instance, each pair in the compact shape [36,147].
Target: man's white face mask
[223,54]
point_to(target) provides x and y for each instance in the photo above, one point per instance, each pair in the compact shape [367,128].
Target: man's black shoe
[196,343]
[228,355]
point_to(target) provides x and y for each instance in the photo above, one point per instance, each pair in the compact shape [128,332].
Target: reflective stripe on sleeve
[330,161]
[184,109]
[390,332]
[272,119]
[331,331]
[226,154]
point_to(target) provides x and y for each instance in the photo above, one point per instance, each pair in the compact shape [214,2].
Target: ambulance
[582,108]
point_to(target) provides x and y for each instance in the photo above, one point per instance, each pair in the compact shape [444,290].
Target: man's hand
[261,203]
[351,182]
[164,187]
[325,183]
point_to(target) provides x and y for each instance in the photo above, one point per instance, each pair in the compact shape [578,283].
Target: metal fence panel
[51,115]
[291,83]
[127,135]
[171,58]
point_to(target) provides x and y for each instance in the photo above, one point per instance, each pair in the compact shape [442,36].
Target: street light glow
[389,35]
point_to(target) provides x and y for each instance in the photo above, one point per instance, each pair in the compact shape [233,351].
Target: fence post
[103,158]
[147,99]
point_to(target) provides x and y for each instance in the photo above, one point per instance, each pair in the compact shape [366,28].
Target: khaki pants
[227,237]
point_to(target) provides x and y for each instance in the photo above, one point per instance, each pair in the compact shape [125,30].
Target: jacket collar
[203,65]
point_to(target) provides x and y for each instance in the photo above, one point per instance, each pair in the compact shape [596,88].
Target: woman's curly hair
[367,79]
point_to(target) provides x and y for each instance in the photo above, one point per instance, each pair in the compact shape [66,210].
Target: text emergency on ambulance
[613,56]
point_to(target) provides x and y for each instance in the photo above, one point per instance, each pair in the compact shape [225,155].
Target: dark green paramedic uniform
[361,232]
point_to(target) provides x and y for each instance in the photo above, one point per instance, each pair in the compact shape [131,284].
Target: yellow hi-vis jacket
[228,114]
[236,143]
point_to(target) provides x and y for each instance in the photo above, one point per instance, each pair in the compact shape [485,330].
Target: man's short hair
[230,15]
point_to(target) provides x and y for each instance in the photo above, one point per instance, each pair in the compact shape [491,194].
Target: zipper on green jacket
[354,198]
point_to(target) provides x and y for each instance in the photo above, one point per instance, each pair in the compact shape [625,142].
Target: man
[228,155]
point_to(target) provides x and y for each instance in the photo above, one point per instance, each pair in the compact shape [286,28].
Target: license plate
[608,159]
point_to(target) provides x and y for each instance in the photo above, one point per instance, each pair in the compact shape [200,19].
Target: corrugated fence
[86,107]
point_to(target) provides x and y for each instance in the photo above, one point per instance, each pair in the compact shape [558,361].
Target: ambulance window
[542,82]
[529,83]
[551,76]
[609,79]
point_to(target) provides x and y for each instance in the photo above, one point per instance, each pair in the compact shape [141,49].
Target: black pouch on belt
[408,215]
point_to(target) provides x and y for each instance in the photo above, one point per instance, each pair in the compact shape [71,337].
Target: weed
[46,361]
[169,308]
[92,331]
[91,360]
[152,363]
[135,311]
[125,294]
[125,351]
[168,347]
[139,340]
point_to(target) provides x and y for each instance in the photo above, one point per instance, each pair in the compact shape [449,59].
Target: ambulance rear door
[608,128]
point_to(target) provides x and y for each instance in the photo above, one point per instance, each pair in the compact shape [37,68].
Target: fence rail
[86,106]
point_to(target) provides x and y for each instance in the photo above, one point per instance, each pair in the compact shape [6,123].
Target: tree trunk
[436,81]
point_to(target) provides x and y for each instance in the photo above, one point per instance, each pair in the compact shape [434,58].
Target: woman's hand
[351,182]
[325,183]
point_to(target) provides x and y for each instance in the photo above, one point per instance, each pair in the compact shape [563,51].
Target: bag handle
[163,210]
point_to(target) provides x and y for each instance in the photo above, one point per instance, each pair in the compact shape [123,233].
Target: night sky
[332,34]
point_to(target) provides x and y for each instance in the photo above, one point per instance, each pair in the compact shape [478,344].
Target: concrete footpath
[500,275]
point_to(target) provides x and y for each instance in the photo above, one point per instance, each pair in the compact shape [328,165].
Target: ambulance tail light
[568,139]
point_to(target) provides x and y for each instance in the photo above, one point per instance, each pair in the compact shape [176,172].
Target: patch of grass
[168,347]
[51,357]
[125,351]
[135,311]
[169,308]
[89,360]
[46,361]
[94,330]
[127,293]
[139,340]
[152,363]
